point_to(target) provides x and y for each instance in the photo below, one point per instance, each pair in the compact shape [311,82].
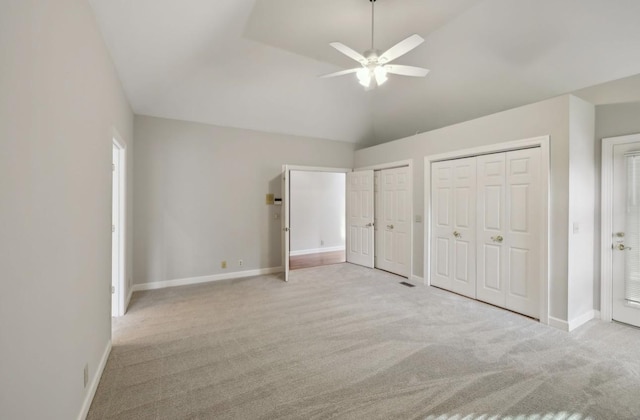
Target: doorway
[118,230]
[621,229]
[317,218]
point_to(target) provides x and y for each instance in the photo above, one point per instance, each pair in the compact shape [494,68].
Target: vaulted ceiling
[254,63]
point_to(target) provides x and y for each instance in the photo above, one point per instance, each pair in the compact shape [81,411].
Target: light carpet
[347,342]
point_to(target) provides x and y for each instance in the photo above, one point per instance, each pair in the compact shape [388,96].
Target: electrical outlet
[86,374]
[223,264]
[240,262]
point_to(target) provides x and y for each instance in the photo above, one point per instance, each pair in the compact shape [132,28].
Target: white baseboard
[417,280]
[93,387]
[575,322]
[583,319]
[316,250]
[205,279]
[558,323]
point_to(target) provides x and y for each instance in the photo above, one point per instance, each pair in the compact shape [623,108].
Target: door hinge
[113,167]
[113,289]
[113,228]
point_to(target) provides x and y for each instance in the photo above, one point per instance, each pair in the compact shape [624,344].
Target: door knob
[389,226]
[498,239]
[457,234]
[368,225]
[620,234]
[621,247]
[286,229]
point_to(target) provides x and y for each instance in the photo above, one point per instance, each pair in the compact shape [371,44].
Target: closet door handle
[389,226]
[457,234]
[498,239]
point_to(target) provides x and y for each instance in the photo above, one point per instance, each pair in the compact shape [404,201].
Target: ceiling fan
[375,66]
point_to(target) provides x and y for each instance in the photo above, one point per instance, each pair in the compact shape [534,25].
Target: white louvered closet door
[453,236]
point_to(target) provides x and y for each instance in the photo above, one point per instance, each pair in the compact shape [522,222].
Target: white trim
[317,169]
[205,279]
[543,143]
[606,223]
[391,165]
[417,279]
[88,399]
[122,220]
[317,250]
[583,319]
[559,324]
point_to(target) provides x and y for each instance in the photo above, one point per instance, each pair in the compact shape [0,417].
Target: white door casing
[453,262]
[115,232]
[286,237]
[393,217]
[542,216]
[625,237]
[360,236]
[507,228]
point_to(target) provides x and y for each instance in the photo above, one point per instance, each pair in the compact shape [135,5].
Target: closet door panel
[523,183]
[491,229]
[453,224]
[441,268]
[394,221]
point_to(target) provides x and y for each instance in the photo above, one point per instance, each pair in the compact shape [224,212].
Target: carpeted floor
[346,342]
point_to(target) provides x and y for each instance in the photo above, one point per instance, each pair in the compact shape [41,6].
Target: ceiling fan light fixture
[364,77]
[380,74]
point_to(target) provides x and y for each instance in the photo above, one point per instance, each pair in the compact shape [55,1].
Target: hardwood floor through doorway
[315,260]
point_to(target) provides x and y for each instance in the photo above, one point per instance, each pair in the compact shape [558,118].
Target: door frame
[392,165]
[606,223]
[121,292]
[286,199]
[543,143]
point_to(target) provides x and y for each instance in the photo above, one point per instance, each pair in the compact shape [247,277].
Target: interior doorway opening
[317,218]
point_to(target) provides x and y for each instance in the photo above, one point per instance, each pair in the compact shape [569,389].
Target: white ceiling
[254,63]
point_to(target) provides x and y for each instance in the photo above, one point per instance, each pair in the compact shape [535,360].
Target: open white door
[286,243]
[360,246]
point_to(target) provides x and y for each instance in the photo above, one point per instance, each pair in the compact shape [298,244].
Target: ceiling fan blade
[340,73]
[349,52]
[406,70]
[401,48]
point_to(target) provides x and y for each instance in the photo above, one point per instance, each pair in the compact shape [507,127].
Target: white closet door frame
[606,223]
[399,164]
[543,143]
[286,214]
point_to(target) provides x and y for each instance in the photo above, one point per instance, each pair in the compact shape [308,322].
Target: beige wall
[200,196]
[582,227]
[550,117]
[60,101]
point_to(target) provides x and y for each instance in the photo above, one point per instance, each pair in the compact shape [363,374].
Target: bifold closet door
[492,269]
[453,236]
[508,247]
[393,221]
